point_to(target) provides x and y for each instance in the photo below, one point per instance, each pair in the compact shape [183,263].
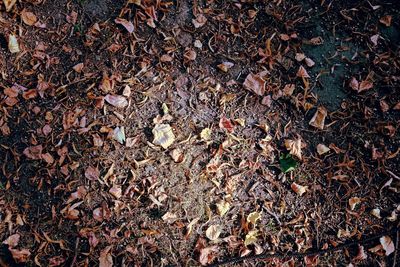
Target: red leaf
[225,123]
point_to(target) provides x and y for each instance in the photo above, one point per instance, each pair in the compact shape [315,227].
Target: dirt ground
[188,133]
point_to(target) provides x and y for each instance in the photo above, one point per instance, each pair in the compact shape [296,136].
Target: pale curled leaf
[322,149]
[299,189]
[294,147]
[213,232]
[253,217]
[353,202]
[163,135]
[116,100]
[387,245]
[255,84]
[13,45]
[127,24]
[318,120]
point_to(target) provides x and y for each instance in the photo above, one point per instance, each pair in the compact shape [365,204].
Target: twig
[76,252]
[266,255]
[395,251]
[394,175]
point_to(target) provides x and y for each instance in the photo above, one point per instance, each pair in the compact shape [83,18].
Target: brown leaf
[78,67]
[309,62]
[190,55]
[116,100]
[294,147]
[386,20]
[9,4]
[11,92]
[299,189]
[207,255]
[177,155]
[92,173]
[48,158]
[107,84]
[12,241]
[127,24]
[163,135]
[166,58]
[387,245]
[288,89]
[56,261]
[226,124]
[322,149]
[33,152]
[302,73]
[78,194]
[28,17]
[225,66]
[20,256]
[105,259]
[32,93]
[11,101]
[199,21]
[365,85]
[318,120]
[255,84]
[116,191]
[98,214]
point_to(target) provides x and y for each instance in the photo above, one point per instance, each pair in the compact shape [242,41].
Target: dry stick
[265,255]
[396,249]
[76,252]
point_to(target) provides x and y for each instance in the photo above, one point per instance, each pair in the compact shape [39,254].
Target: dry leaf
[206,255]
[205,134]
[223,207]
[105,259]
[302,73]
[92,173]
[20,256]
[78,67]
[318,120]
[299,189]
[255,84]
[33,152]
[116,100]
[253,217]
[177,155]
[322,149]
[309,62]
[288,89]
[251,237]
[361,255]
[9,4]
[28,17]
[386,20]
[12,241]
[199,21]
[213,232]
[169,217]
[294,147]
[387,245]
[226,124]
[127,91]
[377,213]
[353,202]
[163,135]
[190,55]
[300,57]
[225,66]
[116,191]
[374,39]
[13,45]
[127,24]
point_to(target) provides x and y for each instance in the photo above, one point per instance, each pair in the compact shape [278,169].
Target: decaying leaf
[205,134]
[199,21]
[9,4]
[28,17]
[353,202]
[169,217]
[92,173]
[13,45]
[163,135]
[119,134]
[251,237]
[20,256]
[361,255]
[33,152]
[213,232]
[225,66]
[377,213]
[387,245]
[177,155]
[299,189]
[253,217]
[116,191]
[255,84]
[105,259]
[127,24]
[386,20]
[12,241]
[302,73]
[318,120]
[116,100]
[206,255]
[226,124]
[223,207]
[78,67]
[294,147]
[322,149]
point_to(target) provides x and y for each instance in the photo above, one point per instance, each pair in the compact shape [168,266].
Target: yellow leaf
[223,207]
[163,135]
[253,217]
[213,232]
[9,4]
[205,134]
[251,237]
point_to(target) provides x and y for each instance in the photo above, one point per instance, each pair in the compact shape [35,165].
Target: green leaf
[287,163]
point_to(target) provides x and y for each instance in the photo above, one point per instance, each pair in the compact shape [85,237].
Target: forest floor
[187,133]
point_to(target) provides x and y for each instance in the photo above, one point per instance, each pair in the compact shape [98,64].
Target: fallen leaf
[253,217]
[205,134]
[92,173]
[166,58]
[127,91]
[12,241]
[288,89]
[190,55]
[199,21]
[20,256]
[300,57]
[322,149]
[386,20]
[177,155]
[354,84]
[225,66]
[299,189]
[294,147]
[213,232]
[127,24]
[226,124]
[387,245]
[169,217]
[309,62]
[353,202]
[28,17]
[361,255]
[78,194]
[78,67]
[98,214]
[377,213]
[163,135]
[9,4]
[117,101]
[365,85]
[318,120]
[374,39]
[33,152]
[116,191]
[13,45]
[255,84]
[119,134]
[302,73]
[251,237]
[105,259]
[206,255]
[311,260]
[223,207]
